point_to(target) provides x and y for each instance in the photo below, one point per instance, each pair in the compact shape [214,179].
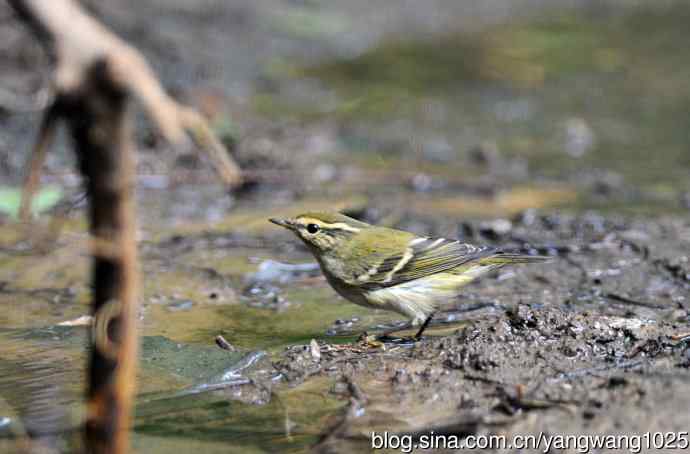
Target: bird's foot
[386,340]
[403,341]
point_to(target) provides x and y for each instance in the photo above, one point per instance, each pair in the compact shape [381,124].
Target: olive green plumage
[391,269]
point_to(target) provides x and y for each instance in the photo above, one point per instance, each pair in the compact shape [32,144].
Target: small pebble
[315,349]
[183,305]
[224,344]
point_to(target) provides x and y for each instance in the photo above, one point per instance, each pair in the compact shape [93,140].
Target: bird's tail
[505,258]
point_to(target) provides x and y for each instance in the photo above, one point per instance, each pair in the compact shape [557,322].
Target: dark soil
[578,349]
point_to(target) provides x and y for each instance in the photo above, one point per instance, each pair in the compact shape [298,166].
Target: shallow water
[183,395]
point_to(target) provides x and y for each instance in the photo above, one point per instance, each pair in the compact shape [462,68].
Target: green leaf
[45,199]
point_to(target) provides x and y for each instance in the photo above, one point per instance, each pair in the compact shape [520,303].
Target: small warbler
[384,268]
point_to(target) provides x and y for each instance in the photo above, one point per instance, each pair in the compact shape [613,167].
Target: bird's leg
[386,337]
[418,336]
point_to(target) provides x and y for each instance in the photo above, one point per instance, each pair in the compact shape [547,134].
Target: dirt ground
[595,342]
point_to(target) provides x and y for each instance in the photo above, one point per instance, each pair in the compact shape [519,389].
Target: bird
[384,268]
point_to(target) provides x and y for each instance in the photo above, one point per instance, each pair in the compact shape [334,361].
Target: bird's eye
[312,228]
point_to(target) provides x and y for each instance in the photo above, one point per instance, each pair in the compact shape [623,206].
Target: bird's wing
[422,257]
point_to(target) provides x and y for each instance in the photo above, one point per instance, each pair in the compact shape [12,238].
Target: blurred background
[573,103]
[440,117]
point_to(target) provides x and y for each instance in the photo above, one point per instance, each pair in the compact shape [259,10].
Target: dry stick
[626,300]
[680,337]
[101,128]
[95,77]
[76,41]
[95,109]
[206,139]
[46,135]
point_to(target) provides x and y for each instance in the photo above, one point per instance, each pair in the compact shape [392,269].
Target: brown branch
[46,135]
[205,138]
[76,41]
[101,128]
[96,77]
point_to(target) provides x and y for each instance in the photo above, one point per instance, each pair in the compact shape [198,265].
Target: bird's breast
[337,278]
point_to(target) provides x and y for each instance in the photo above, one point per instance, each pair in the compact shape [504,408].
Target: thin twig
[591,370]
[626,300]
[45,137]
[680,336]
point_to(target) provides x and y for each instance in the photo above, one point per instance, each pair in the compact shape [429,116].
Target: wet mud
[597,341]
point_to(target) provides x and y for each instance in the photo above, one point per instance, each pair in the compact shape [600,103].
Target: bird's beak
[287,223]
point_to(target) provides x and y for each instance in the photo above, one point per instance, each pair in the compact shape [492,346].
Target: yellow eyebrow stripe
[328,225]
[340,226]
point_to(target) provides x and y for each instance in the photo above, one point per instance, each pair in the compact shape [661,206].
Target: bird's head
[323,231]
